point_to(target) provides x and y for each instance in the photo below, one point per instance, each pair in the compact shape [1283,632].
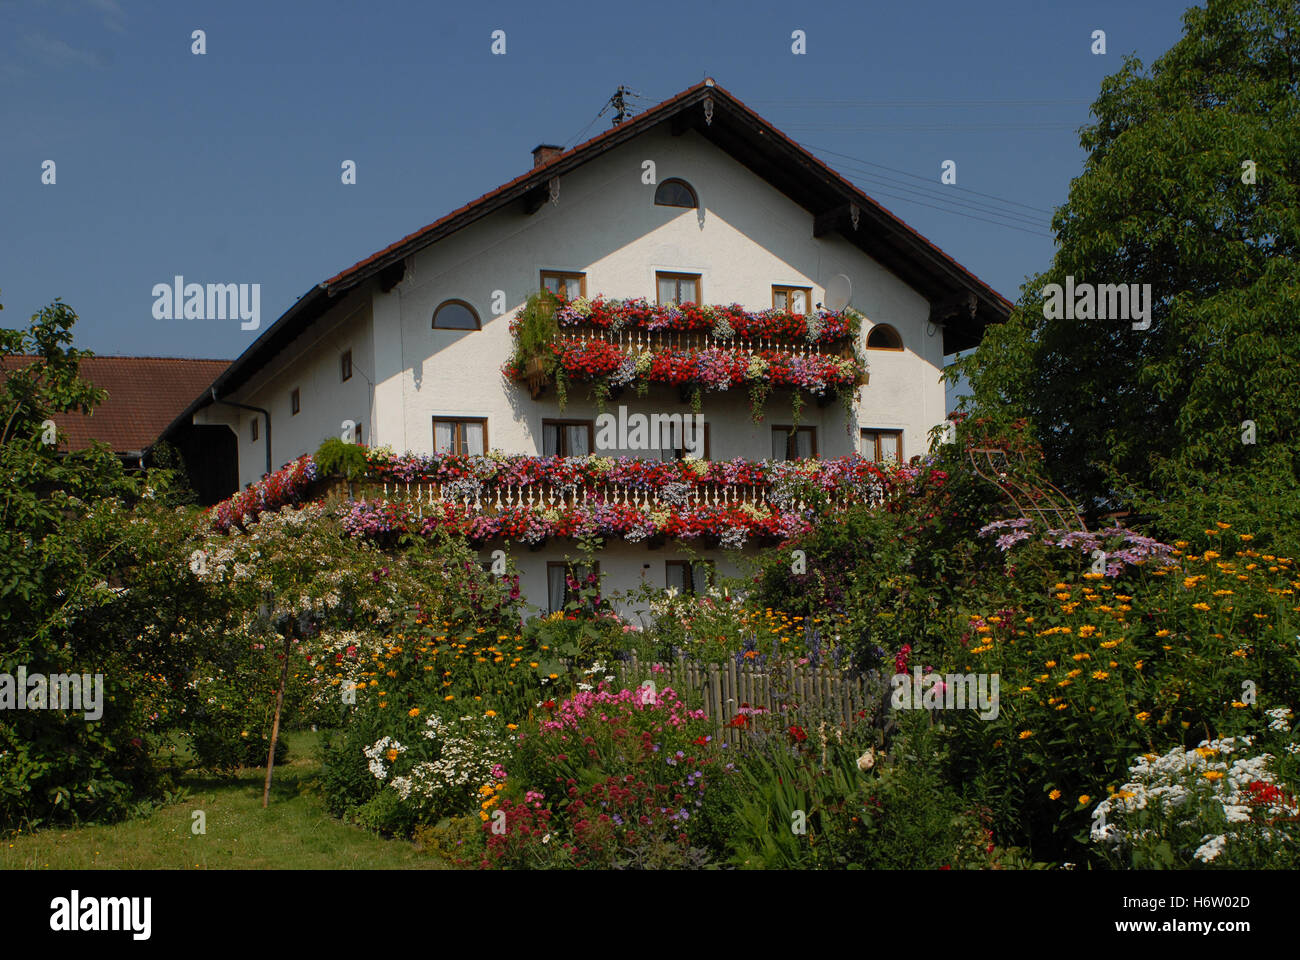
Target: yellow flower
[1050,663]
[1054,795]
[1238,705]
[391,755]
[1084,799]
[1213,774]
[512,726]
[449,697]
[413,712]
[1100,675]
[1144,716]
[1026,734]
[1162,633]
[490,713]
[554,676]
[1246,536]
[1201,607]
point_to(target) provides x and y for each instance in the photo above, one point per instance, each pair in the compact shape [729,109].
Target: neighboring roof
[961,302]
[145,394]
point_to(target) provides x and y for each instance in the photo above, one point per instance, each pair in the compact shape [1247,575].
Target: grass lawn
[295,832]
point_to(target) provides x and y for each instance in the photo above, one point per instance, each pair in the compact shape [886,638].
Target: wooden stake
[275,726]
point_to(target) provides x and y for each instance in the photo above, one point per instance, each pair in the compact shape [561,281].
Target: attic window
[884,337]
[455,315]
[676,193]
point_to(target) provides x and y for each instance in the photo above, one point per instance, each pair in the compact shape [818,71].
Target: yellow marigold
[1203,607]
[1082,656]
[1238,705]
[1084,800]
[1213,774]
[1246,537]
[1144,716]
[1100,675]
[1109,644]
[512,726]
[533,664]
[1162,633]
[1210,555]
[1223,593]
[449,697]
[1061,706]
[1050,663]
[1054,795]
[1026,734]
[413,712]
[1074,673]
[391,754]
[1239,653]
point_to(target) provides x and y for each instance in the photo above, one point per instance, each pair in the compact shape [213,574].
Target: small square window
[460,435]
[567,438]
[882,446]
[345,365]
[792,299]
[800,444]
[678,288]
[295,402]
[566,286]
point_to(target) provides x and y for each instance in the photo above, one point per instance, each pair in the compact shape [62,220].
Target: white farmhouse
[695,200]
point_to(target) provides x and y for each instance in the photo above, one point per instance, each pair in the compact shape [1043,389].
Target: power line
[926,180]
[939,195]
[968,216]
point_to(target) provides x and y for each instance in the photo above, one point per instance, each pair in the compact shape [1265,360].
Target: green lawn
[295,832]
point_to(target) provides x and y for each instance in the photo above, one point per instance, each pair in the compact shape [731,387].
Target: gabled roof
[145,394]
[961,302]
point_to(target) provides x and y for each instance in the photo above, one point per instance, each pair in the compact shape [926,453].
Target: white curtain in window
[473,433]
[689,294]
[554,588]
[575,435]
[550,440]
[780,439]
[798,301]
[444,437]
[667,290]
[573,288]
[803,443]
[700,577]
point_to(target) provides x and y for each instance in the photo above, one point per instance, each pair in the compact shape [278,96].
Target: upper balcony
[619,344]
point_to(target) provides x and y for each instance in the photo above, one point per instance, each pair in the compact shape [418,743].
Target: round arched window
[676,193]
[455,315]
[884,337]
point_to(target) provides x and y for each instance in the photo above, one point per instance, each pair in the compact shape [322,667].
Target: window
[799,445]
[793,299]
[455,315]
[560,580]
[676,193]
[295,402]
[567,438]
[356,433]
[678,287]
[252,429]
[467,435]
[690,576]
[566,286]
[345,366]
[884,337]
[682,451]
[880,446]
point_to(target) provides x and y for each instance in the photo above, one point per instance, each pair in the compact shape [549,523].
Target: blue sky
[225,167]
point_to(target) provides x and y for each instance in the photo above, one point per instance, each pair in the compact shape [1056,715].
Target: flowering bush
[1224,803]
[288,485]
[722,322]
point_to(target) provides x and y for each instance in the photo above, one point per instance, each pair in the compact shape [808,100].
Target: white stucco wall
[746,238]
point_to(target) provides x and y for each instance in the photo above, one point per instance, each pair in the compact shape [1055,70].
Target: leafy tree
[1157,417]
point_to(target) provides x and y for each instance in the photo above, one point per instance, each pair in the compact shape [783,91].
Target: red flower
[796,732]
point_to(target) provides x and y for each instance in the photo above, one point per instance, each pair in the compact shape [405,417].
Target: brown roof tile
[144,395]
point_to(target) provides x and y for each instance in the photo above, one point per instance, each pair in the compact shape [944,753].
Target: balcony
[615,344]
[532,499]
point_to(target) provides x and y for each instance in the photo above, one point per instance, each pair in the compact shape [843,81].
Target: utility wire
[926,180]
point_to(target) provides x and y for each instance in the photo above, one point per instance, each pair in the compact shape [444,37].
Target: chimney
[545,152]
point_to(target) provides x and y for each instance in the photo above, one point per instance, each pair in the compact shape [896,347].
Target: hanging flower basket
[535,374]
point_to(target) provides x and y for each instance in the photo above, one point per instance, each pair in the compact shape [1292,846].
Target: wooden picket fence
[770,698]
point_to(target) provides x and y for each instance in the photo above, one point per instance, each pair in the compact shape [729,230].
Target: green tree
[1157,417]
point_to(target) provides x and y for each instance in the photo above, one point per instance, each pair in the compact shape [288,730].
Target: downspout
[265,413]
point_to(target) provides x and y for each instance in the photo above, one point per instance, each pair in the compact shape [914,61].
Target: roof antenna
[619,104]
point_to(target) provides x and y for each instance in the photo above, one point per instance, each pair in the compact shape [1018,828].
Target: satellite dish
[839,290]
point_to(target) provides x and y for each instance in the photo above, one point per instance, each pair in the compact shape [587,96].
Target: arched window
[676,193]
[884,337]
[455,315]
